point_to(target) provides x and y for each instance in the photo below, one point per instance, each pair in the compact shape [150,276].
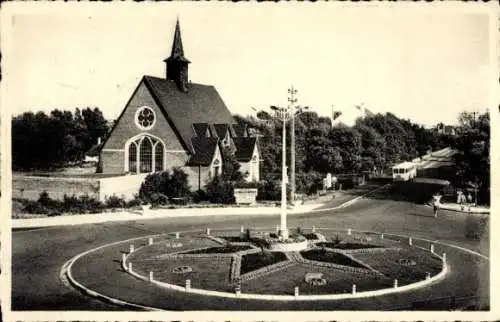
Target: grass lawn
[337,281]
[252,262]
[388,264]
[208,273]
[330,257]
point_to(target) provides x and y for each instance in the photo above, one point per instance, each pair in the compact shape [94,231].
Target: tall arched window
[132,157]
[145,154]
[158,156]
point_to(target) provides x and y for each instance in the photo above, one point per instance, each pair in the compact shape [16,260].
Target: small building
[171,122]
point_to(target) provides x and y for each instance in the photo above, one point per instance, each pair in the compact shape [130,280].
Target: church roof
[244,148]
[204,148]
[221,129]
[200,104]
[240,130]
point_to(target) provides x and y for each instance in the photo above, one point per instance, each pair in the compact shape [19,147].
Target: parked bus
[404,171]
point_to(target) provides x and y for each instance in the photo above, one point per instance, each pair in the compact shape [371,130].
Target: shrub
[34,207]
[136,201]
[220,192]
[269,190]
[173,185]
[115,202]
[199,196]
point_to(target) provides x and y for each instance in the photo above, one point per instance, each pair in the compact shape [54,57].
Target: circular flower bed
[182,270]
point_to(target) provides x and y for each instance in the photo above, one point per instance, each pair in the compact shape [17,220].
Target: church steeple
[177,64]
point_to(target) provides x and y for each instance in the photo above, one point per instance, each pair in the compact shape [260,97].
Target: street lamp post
[292,100]
[289,112]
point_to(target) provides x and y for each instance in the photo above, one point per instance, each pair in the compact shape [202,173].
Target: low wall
[122,186]
[30,187]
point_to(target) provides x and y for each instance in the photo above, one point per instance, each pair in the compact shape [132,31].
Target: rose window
[145,118]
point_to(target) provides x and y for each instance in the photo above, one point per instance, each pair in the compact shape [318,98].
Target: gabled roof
[200,104]
[221,130]
[200,129]
[240,130]
[244,148]
[204,151]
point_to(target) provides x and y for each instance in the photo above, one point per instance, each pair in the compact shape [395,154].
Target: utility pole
[292,100]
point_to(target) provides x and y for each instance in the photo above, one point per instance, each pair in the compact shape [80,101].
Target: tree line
[43,141]
[374,143]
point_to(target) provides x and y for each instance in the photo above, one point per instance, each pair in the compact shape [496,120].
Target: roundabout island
[313,264]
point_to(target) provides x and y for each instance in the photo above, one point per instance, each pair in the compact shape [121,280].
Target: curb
[462,211]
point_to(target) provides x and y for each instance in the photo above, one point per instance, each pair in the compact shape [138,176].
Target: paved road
[38,255]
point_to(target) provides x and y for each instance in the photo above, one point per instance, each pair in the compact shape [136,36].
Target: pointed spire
[177,52]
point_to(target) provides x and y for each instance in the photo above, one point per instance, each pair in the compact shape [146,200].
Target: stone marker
[131,249]
[353,288]
[242,229]
[150,241]
[395,283]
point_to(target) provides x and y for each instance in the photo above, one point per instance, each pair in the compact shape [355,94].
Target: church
[171,122]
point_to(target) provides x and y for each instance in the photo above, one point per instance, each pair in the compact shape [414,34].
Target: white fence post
[353,288]
[395,283]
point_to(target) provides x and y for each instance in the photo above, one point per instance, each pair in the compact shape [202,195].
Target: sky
[426,66]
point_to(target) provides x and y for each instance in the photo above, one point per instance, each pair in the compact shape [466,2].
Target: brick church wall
[113,161]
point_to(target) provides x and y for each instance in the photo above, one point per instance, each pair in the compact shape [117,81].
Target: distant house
[445,129]
[172,122]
